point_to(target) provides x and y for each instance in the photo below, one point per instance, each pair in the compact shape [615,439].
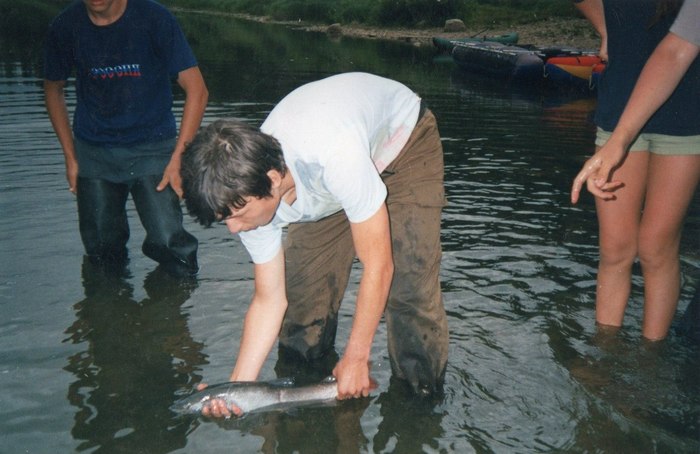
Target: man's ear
[275,178]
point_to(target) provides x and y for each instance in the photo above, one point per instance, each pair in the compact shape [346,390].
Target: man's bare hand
[217,408]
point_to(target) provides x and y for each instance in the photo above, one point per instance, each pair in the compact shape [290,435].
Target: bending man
[352,165]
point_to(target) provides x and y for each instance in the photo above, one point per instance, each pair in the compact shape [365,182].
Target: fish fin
[329,379]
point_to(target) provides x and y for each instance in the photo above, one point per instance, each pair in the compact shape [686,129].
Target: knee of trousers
[102,221]
[418,344]
[104,240]
[161,215]
[310,341]
[178,254]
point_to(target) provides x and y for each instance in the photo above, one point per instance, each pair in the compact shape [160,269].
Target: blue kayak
[447,44]
[498,59]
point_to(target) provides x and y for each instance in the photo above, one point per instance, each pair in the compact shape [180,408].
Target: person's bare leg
[618,225]
[671,184]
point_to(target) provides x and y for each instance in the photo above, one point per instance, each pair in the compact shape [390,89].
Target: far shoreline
[575,32]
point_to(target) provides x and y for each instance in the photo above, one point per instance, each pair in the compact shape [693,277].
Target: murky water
[90,363]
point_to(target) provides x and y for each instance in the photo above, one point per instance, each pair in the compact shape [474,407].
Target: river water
[91,363]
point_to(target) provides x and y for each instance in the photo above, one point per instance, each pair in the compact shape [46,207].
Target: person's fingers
[163,183]
[589,169]
[579,181]
[604,191]
[575,191]
[216,409]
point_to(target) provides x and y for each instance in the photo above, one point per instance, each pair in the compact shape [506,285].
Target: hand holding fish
[237,398]
[218,408]
[353,379]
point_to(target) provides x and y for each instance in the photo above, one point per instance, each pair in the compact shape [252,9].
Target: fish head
[195,402]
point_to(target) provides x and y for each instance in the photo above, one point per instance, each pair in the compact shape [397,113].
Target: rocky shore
[547,32]
[563,32]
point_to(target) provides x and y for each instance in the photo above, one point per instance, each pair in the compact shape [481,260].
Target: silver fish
[259,395]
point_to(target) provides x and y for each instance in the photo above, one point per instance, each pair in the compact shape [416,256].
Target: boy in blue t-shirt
[124,139]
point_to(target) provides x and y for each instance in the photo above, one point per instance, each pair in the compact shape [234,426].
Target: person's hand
[596,173]
[217,408]
[353,378]
[603,51]
[171,176]
[72,175]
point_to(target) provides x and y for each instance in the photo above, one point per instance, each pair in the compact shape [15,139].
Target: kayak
[499,60]
[579,72]
[547,52]
[447,44]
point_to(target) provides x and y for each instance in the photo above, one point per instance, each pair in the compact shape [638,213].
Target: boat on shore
[557,67]
[447,44]
[580,72]
[498,59]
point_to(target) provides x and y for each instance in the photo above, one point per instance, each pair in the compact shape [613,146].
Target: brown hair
[226,162]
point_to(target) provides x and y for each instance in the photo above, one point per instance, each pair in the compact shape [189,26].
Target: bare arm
[654,86]
[260,328]
[372,241]
[55,100]
[196,97]
[263,320]
[594,12]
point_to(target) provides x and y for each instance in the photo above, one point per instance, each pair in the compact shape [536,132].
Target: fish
[257,396]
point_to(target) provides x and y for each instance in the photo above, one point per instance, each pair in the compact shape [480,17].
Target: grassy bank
[23,23]
[29,18]
[392,13]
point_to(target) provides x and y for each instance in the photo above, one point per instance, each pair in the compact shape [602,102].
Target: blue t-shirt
[631,40]
[123,71]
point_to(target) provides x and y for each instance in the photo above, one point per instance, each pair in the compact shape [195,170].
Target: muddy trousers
[104,228]
[319,257]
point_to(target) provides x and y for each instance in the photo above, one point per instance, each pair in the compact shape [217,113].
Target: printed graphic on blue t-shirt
[110,72]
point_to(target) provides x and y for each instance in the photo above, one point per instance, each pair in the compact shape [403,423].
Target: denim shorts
[660,144]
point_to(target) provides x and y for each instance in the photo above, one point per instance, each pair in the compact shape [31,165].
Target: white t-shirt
[337,135]
[687,24]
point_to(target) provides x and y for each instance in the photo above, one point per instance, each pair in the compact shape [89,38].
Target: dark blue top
[631,40]
[123,71]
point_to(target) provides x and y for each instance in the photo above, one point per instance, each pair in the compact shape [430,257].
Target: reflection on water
[528,370]
[135,356]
